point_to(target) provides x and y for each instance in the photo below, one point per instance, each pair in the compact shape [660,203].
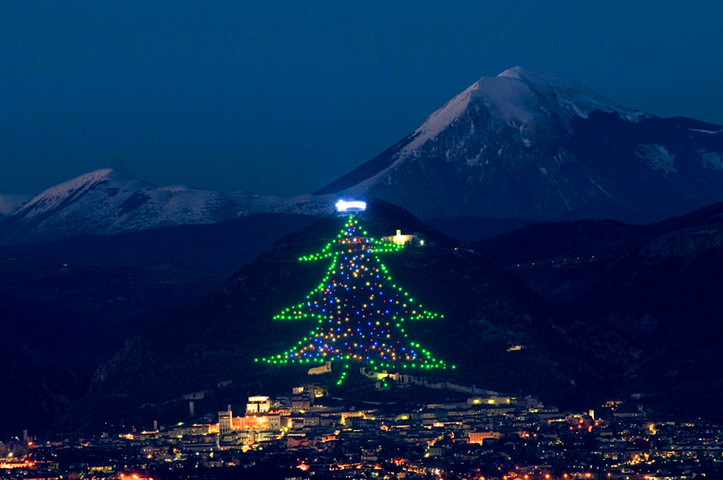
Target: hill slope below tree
[633,321]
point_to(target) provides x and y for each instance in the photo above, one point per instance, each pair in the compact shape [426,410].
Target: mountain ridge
[518,147]
[108,202]
[526,145]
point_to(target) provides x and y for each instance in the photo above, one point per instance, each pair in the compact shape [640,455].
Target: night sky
[283,97]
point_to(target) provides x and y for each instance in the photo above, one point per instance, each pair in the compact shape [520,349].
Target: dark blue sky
[283,97]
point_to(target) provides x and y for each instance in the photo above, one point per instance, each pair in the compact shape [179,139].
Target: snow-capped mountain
[518,146]
[107,202]
[525,145]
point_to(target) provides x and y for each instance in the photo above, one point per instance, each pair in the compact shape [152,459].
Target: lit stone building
[480,437]
[225,421]
[404,239]
[258,419]
[258,404]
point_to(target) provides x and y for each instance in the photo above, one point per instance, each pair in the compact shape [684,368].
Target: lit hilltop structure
[360,312]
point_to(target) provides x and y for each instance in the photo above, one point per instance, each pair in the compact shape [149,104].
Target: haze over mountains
[520,147]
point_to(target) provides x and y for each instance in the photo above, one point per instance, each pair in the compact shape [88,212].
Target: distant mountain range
[107,218]
[107,202]
[512,149]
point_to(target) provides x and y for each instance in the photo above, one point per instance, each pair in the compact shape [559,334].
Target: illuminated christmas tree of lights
[360,312]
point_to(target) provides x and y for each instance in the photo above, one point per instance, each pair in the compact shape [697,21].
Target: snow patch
[711,160]
[658,157]
[712,132]
[567,205]
[599,187]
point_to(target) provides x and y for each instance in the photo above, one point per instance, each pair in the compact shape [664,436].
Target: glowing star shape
[351,206]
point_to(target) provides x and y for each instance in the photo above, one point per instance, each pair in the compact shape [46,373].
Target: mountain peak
[530,76]
[520,102]
[71,190]
[108,202]
[85,182]
[514,72]
[100,175]
[522,97]
[524,145]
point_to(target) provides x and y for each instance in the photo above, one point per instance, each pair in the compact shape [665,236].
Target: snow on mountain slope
[90,186]
[107,202]
[519,145]
[519,97]
[577,99]
[525,145]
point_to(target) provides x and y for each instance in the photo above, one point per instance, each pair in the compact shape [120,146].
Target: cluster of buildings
[308,435]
